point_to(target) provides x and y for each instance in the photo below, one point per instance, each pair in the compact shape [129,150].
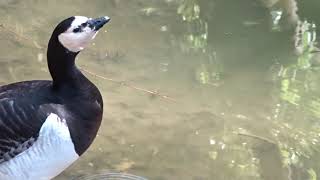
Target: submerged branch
[123,83]
[40,46]
[21,36]
[257,137]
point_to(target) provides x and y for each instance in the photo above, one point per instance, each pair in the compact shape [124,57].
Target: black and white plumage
[46,125]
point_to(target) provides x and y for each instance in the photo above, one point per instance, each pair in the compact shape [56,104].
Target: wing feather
[20,119]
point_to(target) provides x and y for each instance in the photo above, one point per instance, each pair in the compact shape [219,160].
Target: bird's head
[76,32]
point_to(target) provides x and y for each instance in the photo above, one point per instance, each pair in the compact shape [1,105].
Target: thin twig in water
[40,46]
[122,83]
[21,36]
[257,137]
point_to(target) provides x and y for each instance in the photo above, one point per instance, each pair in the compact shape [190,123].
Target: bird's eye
[78,29]
[84,24]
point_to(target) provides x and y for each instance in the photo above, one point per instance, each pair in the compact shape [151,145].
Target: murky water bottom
[220,122]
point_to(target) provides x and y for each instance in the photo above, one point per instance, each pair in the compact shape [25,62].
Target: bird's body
[46,125]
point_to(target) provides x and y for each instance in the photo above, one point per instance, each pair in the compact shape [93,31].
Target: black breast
[84,118]
[82,109]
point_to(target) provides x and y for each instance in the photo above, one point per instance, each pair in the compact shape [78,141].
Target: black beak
[98,23]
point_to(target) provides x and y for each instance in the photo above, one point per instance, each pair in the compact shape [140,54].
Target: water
[242,73]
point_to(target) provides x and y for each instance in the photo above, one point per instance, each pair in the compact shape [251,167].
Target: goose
[46,125]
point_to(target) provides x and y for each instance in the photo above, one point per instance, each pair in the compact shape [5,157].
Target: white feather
[76,42]
[51,153]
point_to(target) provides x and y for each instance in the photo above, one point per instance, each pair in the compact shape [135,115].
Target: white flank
[50,154]
[76,42]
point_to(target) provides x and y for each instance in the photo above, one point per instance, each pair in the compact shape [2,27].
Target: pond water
[242,77]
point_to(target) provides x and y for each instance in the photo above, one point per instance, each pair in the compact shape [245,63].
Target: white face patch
[77,37]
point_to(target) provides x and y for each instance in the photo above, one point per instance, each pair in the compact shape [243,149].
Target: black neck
[61,63]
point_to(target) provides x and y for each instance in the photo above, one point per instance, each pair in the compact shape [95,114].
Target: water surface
[243,76]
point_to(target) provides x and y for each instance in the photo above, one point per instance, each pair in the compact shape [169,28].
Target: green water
[243,76]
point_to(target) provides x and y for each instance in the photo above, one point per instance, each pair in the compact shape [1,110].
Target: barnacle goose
[46,125]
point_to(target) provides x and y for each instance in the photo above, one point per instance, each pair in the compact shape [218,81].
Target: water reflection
[244,74]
